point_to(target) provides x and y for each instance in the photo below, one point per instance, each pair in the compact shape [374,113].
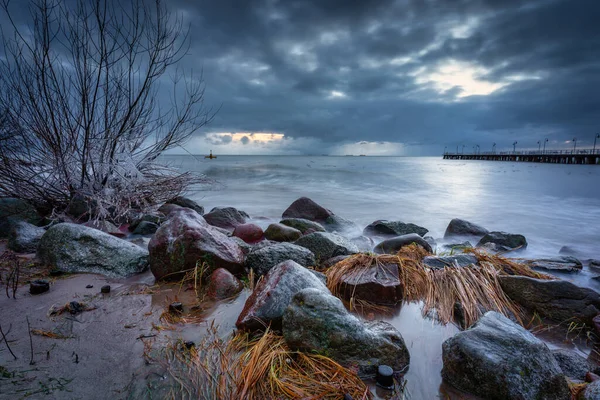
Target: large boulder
[249,233]
[303,225]
[326,245]
[187,203]
[76,248]
[104,226]
[317,322]
[282,233]
[261,260]
[460,227]
[12,210]
[555,299]
[307,209]
[591,392]
[184,240]
[24,237]
[395,228]
[574,366]
[226,217]
[460,260]
[557,264]
[378,284]
[273,294]
[393,245]
[335,223]
[81,207]
[145,228]
[156,219]
[497,359]
[502,241]
[223,285]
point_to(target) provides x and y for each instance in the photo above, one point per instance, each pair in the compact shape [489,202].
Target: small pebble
[39,286]
[189,344]
[89,286]
[105,289]
[176,307]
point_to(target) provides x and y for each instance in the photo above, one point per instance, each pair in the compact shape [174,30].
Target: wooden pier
[551,157]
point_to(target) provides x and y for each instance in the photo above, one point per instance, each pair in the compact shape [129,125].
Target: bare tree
[81,113]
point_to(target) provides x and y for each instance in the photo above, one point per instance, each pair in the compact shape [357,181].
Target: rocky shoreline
[297,286]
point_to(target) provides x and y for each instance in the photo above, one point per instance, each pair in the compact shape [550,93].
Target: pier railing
[584,156]
[533,153]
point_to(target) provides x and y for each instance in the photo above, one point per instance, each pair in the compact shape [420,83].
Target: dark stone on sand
[24,237]
[223,285]
[460,227]
[393,245]
[394,228]
[503,241]
[498,359]
[249,233]
[307,209]
[105,289]
[282,233]
[176,307]
[325,245]
[39,286]
[303,225]
[187,203]
[226,217]
[462,260]
[89,286]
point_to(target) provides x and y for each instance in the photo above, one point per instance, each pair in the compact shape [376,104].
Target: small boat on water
[210,156]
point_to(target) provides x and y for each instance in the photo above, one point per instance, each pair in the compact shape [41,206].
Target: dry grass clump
[254,369]
[49,334]
[74,307]
[468,290]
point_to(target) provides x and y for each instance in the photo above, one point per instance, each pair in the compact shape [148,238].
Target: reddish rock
[226,217]
[184,239]
[223,285]
[596,322]
[273,294]
[282,233]
[249,233]
[307,209]
[380,284]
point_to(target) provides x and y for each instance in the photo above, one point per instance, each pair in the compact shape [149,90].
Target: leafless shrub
[80,109]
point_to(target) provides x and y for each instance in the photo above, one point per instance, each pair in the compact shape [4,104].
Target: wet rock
[89,286]
[246,247]
[167,208]
[226,217]
[498,359]
[379,284]
[572,364]
[393,245]
[145,228]
[187,203]
[223,285]
[76,248]
[282,233]
[24,237]
[249,233]
[305,208]
[335,223]
[432,242]
[457,247]
[503,241]
[460,227]
[596,324]
[394,228]
[185,239]
[317,322]
[176,307]
[594,264]
[558,264]
[461,260]
[13,210]
[39,286]
[81,207]
[569,251]
[332,261]
[273,294]
[105,289]
[104,226]
[555,299]
[322,277]
[325,245]
[363,243]
[156,219]
[263,259]
[303,225]
[591,391]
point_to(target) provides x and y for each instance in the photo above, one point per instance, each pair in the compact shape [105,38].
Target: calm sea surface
[552,205]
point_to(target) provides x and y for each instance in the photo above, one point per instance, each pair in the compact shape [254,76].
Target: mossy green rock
[282,233]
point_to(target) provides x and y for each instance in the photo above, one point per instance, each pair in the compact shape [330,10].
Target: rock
[223,285]
[363,243]
[432,242]
[273,294]
[322,277]
[167,208]
[332,261]
[187,203]
[569,251]
[498,359]
[462,260]
[572,364]
[145,228]
[594,264]
[156,219]
[394,228]
[105,289]
[325,245]
[186,239]
[504,241]
[246,247]
[81,207]
[305,208]
[263,259]
[457,247]
[591,391]
[379,284]
[282,233]
[13,210]
[460,227]
[317,322]
[24,237]
[226,217]
[176,307]
[104,226]
[249,233]
[335,223]
[76,248]
[596,324]
[393,245]
[303,225]
[39,286]
[558,264]
[555,299]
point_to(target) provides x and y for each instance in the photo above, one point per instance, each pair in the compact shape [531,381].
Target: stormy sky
[394,77]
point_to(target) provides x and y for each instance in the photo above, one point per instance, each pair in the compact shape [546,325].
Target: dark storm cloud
[349,71]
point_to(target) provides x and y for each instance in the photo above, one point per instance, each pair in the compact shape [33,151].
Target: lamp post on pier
[545,141]
[515,147]
[574,144]
[478,149]
[463,149]
[494,148]
[595,137]
[445,147]
[539,146]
